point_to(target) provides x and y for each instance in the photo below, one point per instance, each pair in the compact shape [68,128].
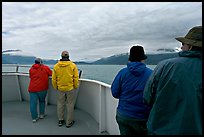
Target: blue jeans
[131,126]
[35,98]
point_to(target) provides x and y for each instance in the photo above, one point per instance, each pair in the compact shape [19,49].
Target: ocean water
[103,73]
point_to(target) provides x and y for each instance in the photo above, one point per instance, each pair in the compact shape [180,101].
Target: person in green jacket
[65,79]
[174,90]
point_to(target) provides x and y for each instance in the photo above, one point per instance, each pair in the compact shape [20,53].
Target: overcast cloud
[93,30]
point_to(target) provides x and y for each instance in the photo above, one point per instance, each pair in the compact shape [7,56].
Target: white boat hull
[93,97]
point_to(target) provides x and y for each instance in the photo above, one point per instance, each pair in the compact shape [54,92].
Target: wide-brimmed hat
[193,37]
[65,54]
[137,54]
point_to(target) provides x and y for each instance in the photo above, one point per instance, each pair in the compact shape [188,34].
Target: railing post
[17,68]
[102,110]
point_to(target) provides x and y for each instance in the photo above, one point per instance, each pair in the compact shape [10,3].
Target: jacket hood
[195,54]
[136,68]
[36,66]
[64,63]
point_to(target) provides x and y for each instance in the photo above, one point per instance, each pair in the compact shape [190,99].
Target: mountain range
[119,59]
[122,59]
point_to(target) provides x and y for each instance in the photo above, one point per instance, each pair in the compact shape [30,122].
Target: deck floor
[16,120]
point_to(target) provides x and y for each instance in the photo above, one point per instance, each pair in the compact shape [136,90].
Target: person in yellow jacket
[65,79]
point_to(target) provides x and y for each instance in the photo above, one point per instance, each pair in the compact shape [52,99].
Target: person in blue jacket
[174,90]
[128,87]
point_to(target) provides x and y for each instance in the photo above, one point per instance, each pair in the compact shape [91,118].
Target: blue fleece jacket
[128,87]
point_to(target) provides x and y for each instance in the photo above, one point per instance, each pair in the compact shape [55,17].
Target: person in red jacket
[38,86]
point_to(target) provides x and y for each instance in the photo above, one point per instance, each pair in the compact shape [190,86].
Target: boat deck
[16,120]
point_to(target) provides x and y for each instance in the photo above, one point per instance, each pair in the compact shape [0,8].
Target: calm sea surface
[104,73]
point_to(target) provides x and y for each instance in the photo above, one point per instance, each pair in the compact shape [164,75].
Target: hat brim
[189,41]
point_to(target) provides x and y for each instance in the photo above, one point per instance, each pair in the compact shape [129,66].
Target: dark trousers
[131,126]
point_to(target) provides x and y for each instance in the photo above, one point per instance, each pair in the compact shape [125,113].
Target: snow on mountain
[162,50]
[17,52]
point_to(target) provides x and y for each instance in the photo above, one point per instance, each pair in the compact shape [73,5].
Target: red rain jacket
[39,77]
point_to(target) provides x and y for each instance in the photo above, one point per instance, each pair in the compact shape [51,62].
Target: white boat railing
[93,97]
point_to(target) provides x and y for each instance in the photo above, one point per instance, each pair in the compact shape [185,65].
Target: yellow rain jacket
[65,76]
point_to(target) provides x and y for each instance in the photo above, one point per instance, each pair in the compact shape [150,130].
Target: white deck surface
[16,120]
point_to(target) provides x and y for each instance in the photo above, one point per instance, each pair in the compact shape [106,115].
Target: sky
[93,30]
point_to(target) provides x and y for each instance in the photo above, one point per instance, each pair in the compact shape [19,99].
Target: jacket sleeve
[116,86]
[30,72]
[151,86]
[54,79]
[76,77]
[48,70]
